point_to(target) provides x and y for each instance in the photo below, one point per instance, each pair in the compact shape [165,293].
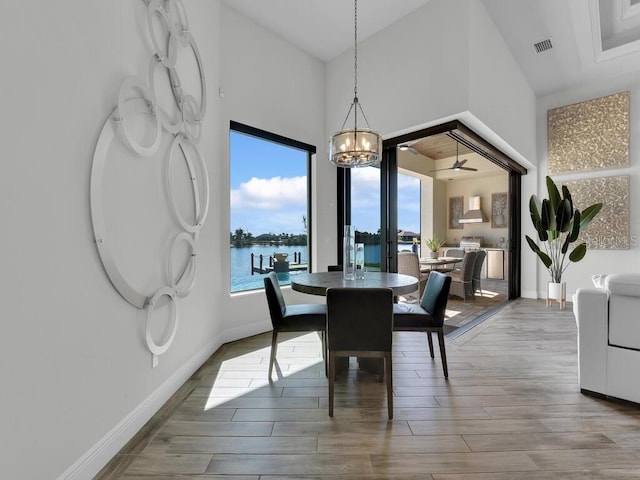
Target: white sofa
[608,322]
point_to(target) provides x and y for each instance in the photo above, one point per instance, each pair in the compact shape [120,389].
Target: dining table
[428,264]
[317,283]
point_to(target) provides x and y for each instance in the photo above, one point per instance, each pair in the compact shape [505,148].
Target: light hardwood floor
[511,409]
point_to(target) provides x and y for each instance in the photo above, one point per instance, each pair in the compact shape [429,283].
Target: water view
[242,279]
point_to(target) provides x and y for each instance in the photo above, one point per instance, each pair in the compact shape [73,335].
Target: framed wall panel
[499,210]
[455,212]
[590,135]
[609,230]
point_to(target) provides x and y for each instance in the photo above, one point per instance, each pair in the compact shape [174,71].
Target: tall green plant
[558,225]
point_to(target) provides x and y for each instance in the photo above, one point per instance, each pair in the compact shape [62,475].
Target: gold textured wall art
[590,135]
[609,230]
[455,212]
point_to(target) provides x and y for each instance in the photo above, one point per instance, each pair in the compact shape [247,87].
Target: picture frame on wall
[499,210]
[455,212]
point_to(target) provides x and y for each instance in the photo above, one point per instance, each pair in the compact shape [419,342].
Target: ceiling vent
[543,45]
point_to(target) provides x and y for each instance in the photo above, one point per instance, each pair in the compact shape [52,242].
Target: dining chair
[359,323]
[428,316]
[462,281]
[409,264]
[310,317]
[476,281]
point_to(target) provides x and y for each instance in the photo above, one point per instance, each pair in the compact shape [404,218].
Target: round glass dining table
[317,283]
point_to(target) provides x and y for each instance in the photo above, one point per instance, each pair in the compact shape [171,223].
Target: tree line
[240,238]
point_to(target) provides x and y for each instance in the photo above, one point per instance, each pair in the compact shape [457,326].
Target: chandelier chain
[355,50]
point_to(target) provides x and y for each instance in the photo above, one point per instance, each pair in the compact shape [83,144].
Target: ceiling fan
[408,148]
[458,165]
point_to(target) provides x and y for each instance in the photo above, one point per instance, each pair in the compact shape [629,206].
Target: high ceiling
[591,39]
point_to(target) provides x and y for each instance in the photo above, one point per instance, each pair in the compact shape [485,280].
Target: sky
[269,190]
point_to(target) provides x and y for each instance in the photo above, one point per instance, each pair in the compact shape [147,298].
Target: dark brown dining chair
[310,317]
[462,280]
[429,315]
[359,323]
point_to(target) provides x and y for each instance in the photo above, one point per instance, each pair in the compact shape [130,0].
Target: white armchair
[609,337]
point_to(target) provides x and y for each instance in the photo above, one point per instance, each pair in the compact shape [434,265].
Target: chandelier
[357,146]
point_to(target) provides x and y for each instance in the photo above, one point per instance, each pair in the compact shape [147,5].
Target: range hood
[474,214]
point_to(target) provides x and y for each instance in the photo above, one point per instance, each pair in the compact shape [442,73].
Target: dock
[277,263]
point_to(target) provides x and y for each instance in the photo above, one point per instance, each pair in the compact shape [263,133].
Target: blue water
[241,278]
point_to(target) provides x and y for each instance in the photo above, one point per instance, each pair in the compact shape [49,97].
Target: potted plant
[558,225]
[434,244]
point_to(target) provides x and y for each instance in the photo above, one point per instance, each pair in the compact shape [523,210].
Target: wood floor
[511,409]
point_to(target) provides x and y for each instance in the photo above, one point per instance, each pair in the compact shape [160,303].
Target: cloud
[276,193]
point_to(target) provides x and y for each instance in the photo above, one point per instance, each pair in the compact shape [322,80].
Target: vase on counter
[360,260]
[349,252]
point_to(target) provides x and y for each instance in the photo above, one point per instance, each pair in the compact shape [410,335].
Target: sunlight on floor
[450,313]
[488,293]
[288,363]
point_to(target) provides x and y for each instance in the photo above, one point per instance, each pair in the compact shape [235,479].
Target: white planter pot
[557,292]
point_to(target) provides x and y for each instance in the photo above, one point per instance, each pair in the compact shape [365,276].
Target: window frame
[238,127]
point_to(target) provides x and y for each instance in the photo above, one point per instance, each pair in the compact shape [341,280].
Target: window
[270,200]
[409,213]
[365,213]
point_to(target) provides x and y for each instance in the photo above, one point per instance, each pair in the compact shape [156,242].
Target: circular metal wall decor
[136,98]
[153,346]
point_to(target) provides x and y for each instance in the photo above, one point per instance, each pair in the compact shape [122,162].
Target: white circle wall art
[191,43]
[156,14]
[138,122]
[135,99]
[123,287]
[191,122]
[155,348]
[178,18]
[183,283]
[163,114]
[185,148]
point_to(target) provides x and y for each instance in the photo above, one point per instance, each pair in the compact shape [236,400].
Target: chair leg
[332,379]
[430,340]
[443,353]
[323,339]
[389,374]
[274,348]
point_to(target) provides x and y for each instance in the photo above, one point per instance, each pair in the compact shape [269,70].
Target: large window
[270,198]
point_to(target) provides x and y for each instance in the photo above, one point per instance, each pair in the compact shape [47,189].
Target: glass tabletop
[317,283]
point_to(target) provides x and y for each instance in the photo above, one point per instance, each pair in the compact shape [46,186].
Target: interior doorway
[426,182]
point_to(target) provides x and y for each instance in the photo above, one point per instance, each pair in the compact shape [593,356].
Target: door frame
[389,195]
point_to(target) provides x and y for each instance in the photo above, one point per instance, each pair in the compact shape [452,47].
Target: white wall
[408,74]
[596,261]
[271,85]
[74,368]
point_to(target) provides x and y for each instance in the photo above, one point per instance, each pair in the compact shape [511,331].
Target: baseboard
[530,294]
[102,452]
[604,396]
[245,331]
